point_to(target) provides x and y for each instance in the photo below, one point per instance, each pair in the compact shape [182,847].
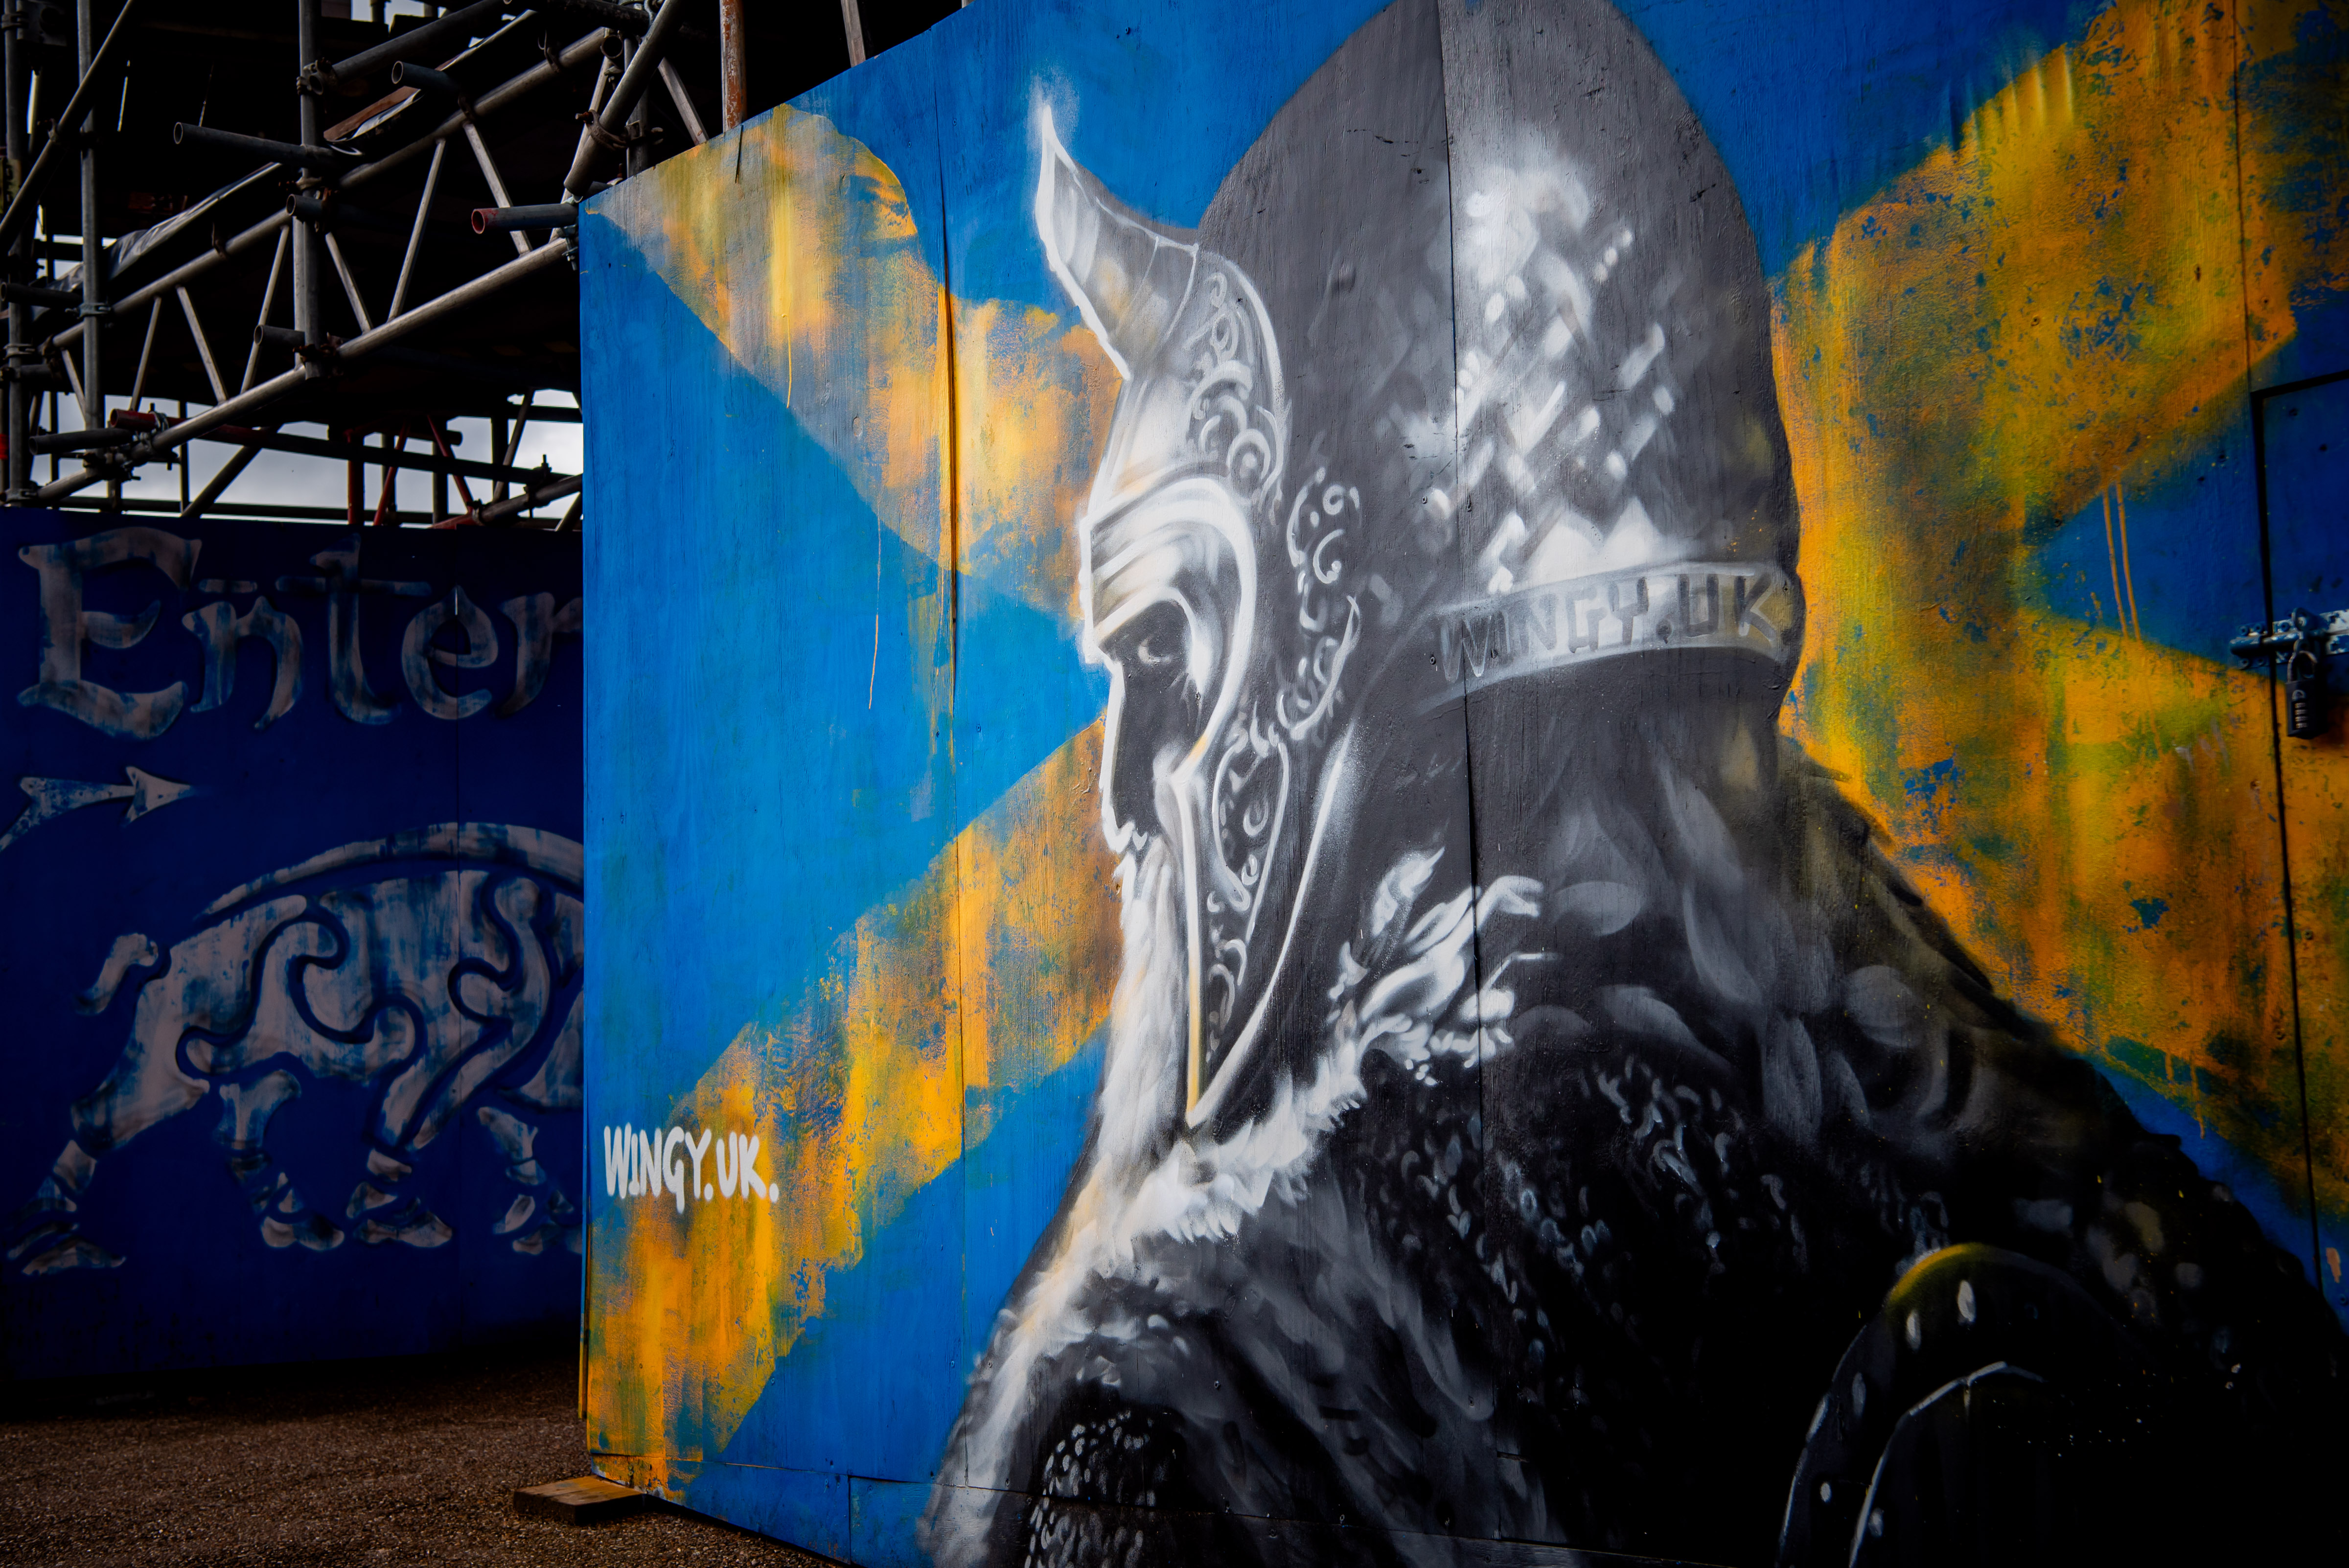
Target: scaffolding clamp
[614,140]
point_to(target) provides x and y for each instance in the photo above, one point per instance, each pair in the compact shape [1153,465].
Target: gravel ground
[393,1462]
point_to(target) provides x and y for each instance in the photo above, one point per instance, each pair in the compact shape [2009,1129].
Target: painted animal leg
[389,1219]
[285,1218]
[515,1138]
[45,1236]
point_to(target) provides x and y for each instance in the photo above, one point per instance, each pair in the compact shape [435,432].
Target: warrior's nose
[1129,780]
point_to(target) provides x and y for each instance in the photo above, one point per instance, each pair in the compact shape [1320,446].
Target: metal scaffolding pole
[262,233]
[306,235]
[606,130]
[852,25]
[733,66]
[27,196]
[636,160]
[554,253]
[20,432]
[245,210]
[93,247]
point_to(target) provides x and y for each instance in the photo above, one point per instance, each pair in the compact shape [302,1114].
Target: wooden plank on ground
[583,1499]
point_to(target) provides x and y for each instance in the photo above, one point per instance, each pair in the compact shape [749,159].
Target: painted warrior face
[1169,589]
[1174,554]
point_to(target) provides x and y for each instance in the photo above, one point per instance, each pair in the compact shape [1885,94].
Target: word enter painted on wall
[68,631]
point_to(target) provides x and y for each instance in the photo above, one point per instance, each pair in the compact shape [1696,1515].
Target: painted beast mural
[426,987]
[1451,1068]
[309,1058]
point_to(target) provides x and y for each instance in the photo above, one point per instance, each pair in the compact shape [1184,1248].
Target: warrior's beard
[1139,1107]
[1149,1022]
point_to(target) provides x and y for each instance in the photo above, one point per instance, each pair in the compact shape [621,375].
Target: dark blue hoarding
[290,940]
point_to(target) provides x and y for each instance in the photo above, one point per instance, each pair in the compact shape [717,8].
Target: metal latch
[2303,642]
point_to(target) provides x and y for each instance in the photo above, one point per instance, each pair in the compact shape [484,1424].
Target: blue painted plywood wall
[1392,778]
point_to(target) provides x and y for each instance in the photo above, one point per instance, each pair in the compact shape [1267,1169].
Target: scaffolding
[407,258]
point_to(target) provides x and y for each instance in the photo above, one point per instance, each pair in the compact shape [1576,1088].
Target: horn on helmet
[1128,276]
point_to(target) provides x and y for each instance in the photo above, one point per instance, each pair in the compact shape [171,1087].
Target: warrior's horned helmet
[1526,423]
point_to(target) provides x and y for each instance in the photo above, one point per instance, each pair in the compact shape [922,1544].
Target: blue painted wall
[292,960]
[845,776]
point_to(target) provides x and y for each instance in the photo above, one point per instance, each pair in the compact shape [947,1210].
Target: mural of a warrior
[1536,1108]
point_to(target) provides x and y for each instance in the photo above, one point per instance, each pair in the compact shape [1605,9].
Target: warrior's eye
[1157,643]
[1160,649]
